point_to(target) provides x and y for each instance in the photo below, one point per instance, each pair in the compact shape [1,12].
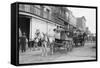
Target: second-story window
[37,10]
[21,7]
[42,10]
[27,8]
[67,16]
[60,12]
[32,8]
[48,13]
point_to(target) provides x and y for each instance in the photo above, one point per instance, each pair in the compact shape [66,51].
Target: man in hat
[23,42]
[84,38]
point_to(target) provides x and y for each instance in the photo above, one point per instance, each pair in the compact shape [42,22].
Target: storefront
[30,23]
[44,26]
[24,25]
[37,24]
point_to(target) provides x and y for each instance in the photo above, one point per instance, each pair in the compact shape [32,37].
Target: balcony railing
[40,12]
[35,10]
[61,17]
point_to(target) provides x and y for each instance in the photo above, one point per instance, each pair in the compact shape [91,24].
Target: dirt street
[86,52]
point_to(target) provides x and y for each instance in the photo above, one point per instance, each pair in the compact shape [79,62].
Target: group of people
[42,40]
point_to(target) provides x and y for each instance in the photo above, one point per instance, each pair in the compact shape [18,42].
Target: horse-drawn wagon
[79,38]
[61,41]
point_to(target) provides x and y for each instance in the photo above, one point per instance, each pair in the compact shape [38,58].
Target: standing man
[23,42]
[84,38]
[80,36]
[20,35]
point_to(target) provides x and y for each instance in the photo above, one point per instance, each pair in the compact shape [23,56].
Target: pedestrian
[84,38]
[26,43]
[20,35]
[23,42]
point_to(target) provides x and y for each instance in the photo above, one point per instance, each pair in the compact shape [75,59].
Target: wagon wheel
[65,45]
[55,46]
[70,45]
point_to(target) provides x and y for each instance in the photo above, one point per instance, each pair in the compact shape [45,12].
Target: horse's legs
[34,46]
[44,49]
[51,48]
[30,44]
[83,42]
[70,45]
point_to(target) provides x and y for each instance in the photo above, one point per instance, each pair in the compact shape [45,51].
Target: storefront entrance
[24,25]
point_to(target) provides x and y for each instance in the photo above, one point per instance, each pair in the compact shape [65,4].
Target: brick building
[81,23]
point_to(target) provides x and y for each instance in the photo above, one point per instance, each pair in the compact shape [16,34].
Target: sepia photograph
[55,33]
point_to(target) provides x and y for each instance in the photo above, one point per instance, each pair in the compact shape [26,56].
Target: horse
[31,44]
[40,41]
[44,43]
[80,38]
[35,43]
[75,39]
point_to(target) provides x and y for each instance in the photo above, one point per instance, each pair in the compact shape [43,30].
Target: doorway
[24,25]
